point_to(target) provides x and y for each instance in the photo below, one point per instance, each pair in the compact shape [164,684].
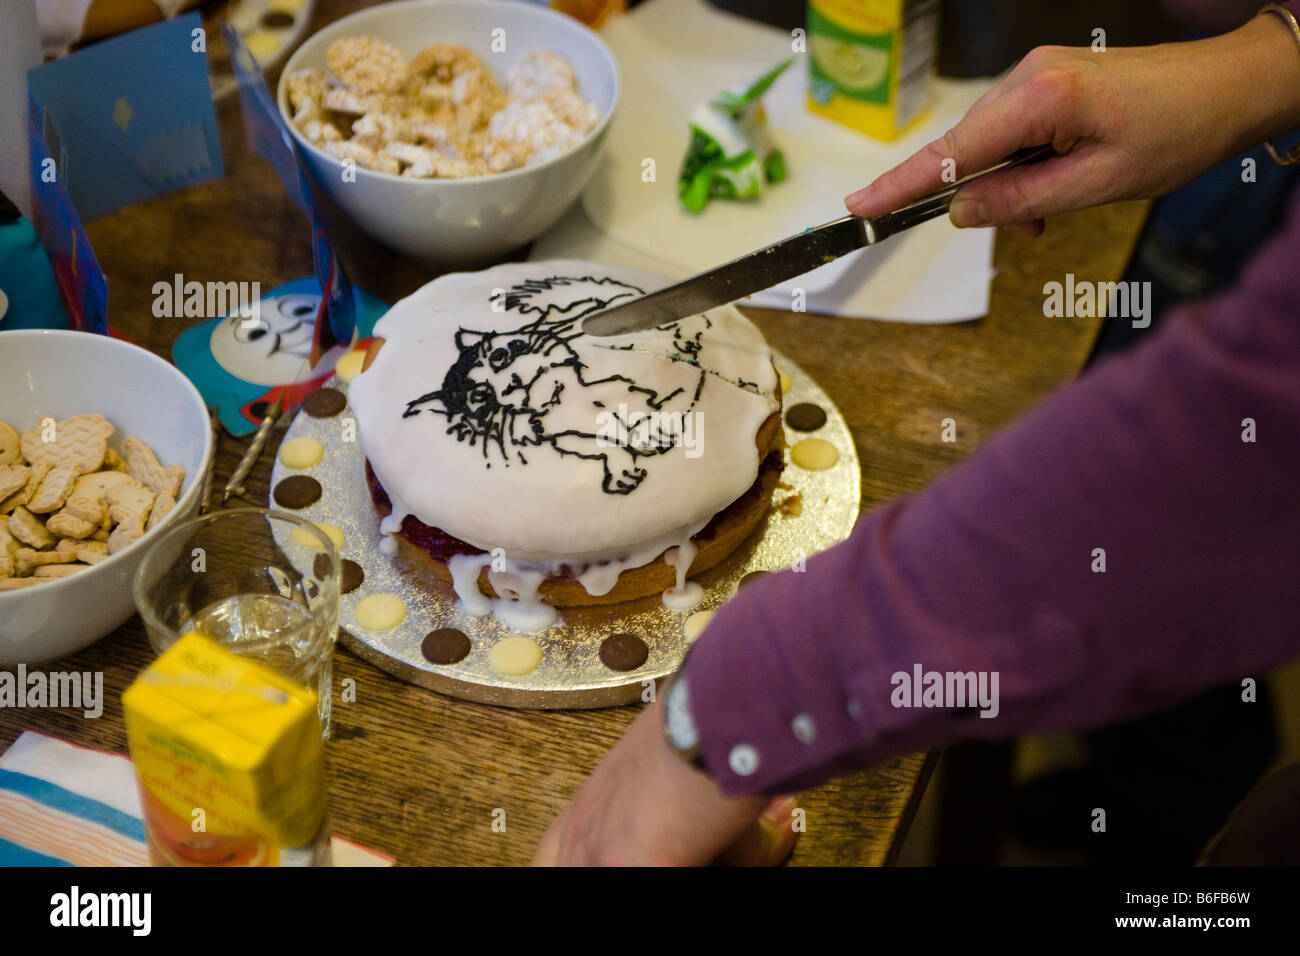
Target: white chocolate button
[696,623]
[380,612]
[814,454]
[309,540]
[333,532]
[301,452]
[514,656]
[743,760]
[349,364]
[306,538]
[787,383]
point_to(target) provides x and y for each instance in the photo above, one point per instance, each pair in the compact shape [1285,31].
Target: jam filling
[442,547]
[432,541]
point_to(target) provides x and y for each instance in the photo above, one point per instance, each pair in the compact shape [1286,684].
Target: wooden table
[417,775]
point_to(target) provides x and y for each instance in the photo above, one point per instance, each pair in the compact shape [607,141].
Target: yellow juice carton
[229,760]
[870,62]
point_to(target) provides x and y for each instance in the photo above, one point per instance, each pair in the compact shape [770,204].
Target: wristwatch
[680,732]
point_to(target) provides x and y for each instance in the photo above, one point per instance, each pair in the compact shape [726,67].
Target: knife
[792,256]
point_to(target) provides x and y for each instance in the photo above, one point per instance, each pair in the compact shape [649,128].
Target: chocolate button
[623,652]
[277,18]
[445,646]
[351,576]
[350,573]
[805,417]
[750,578]
[323,402]
[297,491]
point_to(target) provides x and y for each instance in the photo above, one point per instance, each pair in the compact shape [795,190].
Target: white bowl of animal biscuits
[51,378]
[436,125]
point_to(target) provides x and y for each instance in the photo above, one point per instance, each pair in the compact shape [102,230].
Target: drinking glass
[263,583]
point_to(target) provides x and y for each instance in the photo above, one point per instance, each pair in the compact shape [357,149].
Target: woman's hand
[1130,123]
[644,806]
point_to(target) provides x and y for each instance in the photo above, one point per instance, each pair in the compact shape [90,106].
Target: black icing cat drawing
[503,387]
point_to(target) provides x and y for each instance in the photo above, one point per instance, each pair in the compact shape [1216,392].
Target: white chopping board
[674,53]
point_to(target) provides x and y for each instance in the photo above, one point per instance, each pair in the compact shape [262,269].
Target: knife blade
[790,257]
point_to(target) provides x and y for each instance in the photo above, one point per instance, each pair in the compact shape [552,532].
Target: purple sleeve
[1217,16]
[993,568]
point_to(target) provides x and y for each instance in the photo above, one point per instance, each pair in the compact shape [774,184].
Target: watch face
[679,725]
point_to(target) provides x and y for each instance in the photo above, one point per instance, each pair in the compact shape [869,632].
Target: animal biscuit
[68,525]
[36,559]
[53,491]
[24,526]
[13,478]
[78,442]
[9,453]
[161,506]
[127,503]
[68,501]
[143,465]
[8,547]
[87,499]
[114,461]
[20,497]
[126,533]
[82,547]
[58,570]
[13,584]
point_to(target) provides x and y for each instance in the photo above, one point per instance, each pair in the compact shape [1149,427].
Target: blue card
[80,280]
[135,116]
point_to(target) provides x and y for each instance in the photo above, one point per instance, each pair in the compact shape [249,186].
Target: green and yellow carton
[229,760]
[870,62]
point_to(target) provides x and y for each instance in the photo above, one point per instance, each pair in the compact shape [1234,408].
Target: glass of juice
[263,583]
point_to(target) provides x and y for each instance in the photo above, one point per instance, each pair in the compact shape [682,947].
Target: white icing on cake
[490,416]
[683,595]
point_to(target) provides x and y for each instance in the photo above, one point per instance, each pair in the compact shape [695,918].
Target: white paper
[672,54]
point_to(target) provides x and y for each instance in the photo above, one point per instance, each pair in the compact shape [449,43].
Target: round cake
[539,467]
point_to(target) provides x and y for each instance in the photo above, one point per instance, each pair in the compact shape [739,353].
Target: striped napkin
[65,805]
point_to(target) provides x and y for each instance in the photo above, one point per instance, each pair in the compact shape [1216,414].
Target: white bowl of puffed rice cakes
[451,131]
[101,444]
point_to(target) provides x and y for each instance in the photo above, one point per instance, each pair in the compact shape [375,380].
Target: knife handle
[936,204]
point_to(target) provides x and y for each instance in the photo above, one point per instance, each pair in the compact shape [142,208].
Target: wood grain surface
[416,775]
